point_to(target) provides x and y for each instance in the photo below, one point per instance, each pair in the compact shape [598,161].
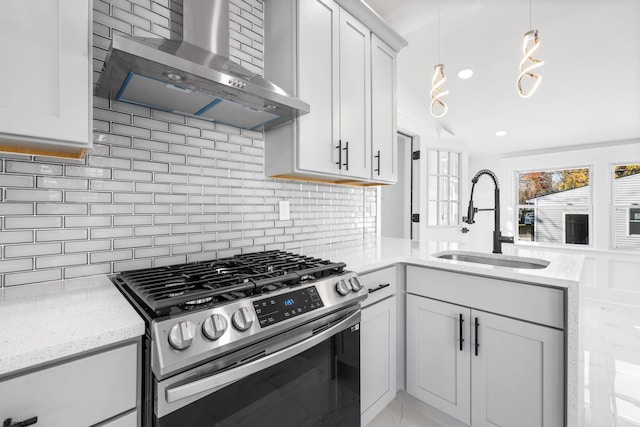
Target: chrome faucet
[498,238]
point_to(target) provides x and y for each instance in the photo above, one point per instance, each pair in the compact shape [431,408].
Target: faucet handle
[506,239]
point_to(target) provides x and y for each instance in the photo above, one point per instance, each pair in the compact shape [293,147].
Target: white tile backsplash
[160,188]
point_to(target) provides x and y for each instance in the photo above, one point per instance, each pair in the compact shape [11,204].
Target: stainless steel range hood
[195,76]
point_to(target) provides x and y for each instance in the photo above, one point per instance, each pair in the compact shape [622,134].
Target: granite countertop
[48,321]
[563,271]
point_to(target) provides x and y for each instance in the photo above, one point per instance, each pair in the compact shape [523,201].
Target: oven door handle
[217,381]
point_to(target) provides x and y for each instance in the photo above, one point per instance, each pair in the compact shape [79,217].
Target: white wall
[609,274]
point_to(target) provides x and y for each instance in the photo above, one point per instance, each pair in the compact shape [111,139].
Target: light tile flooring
[610,350]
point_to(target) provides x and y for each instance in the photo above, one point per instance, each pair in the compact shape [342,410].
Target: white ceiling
[590,90]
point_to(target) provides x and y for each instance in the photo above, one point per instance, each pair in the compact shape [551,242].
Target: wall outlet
[283,208]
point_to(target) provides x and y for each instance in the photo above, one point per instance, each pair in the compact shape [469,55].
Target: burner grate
[206,283]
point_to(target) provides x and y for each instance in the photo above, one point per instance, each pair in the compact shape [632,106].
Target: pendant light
[438,108]
[530,44]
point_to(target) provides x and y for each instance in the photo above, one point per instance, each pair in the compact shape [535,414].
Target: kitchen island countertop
[564,269]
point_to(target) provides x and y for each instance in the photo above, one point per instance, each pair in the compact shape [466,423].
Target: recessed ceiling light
[465,73]
[501,132]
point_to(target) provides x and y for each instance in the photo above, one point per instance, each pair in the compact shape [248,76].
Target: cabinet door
[438,371]
[355,96]
[318,131]
[383,112]
[378,357]
[518,374]
[45,73]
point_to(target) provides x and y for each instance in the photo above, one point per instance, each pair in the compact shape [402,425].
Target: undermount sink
[494,259]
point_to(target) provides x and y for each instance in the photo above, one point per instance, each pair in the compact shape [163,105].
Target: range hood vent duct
[195,76]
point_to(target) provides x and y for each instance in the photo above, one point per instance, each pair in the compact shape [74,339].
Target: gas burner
[175,288]
[196,303]
[174,294]
[307,277]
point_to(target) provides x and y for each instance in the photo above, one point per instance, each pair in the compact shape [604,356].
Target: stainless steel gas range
[262,339]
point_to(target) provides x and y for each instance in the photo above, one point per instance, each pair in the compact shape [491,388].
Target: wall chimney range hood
[195,76]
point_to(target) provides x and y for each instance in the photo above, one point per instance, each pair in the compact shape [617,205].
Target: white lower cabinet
[80,393]
[378,358]
[484,369]
[378,344]
[438,373]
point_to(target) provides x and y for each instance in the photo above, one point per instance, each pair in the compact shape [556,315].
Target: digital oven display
[285,306]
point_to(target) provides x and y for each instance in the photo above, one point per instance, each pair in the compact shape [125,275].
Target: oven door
[309,376]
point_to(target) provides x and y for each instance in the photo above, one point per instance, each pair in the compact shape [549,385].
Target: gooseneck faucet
[498,238]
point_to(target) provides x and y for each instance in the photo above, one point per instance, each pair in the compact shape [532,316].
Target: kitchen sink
[494,259]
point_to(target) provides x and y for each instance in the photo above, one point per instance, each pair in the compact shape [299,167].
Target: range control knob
[355,284]
[343,287]
[242,319]
[182,334]
[214,327]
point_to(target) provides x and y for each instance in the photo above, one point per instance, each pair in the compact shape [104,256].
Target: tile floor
[610,346]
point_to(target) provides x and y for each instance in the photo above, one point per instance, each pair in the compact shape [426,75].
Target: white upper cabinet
[318,37]
[355,97]
[384,148]
[45,77]
[320,51]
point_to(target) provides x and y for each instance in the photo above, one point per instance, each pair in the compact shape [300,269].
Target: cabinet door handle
[477,324]
[346,149]
[461,333]
[339,147]
[385,285]
[9,422]
[378,157]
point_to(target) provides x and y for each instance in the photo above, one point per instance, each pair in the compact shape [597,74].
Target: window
[626,205]
[443,169]
[554,206]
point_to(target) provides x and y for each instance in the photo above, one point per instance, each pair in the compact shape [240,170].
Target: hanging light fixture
[437,92]
[438,108]
[530,44]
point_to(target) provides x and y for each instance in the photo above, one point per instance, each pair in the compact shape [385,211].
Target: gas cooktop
[177,289]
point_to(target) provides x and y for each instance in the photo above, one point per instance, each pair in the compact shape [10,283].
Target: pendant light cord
[439,31]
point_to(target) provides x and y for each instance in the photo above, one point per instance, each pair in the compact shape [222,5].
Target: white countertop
[47,321]
[564,269]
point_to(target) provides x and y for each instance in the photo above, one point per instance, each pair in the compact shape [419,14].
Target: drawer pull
[9,422]
[379,288]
